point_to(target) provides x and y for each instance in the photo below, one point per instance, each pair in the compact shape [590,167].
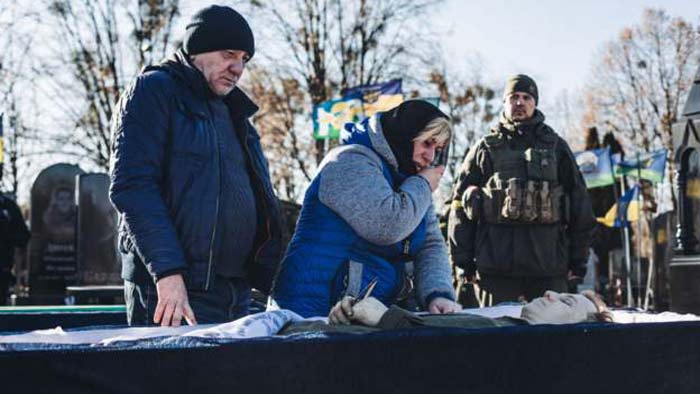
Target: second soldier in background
[520,214]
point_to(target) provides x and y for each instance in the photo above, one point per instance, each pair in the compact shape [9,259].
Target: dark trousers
[6,281]
[510,288]
[227,299]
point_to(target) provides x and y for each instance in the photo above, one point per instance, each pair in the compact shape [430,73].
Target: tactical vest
[524,187]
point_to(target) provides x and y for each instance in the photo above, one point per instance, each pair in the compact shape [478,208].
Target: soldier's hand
[443,305]
[432,175]
[173,303]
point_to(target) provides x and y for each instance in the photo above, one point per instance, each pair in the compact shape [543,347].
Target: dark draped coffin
[583,358]
[15,319]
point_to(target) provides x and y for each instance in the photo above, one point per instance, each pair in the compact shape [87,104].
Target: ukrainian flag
[650,166]
[331,116]
[623,212]
[357,103]
[596,167]
[378,97]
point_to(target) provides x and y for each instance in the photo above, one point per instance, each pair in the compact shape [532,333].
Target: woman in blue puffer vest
[368,214]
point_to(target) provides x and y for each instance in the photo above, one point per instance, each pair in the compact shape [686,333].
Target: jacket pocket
[192,131]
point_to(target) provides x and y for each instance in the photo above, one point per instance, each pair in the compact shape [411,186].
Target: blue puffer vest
[313,275]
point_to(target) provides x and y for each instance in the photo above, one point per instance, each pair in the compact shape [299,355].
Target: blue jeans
[227,299]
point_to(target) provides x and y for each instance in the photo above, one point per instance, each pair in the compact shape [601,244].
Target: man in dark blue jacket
[199,221]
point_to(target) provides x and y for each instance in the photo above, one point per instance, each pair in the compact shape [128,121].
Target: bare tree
[642,78]
[472,105]
[16,91]
[98,46]
[565,116]
[282,104]
[327,46]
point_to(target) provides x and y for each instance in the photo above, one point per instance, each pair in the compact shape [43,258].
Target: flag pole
[639,232]
[628,262]
[623,234]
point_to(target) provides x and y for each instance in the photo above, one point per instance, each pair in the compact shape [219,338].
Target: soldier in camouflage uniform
[520,213]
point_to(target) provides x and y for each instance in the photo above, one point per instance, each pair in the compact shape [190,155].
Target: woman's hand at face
[432,175]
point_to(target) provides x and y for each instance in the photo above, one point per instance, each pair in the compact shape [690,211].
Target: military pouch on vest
[538,202]
[512,203]
[546,206]
[551,204]
[530,202]
[541,164]
[472,202]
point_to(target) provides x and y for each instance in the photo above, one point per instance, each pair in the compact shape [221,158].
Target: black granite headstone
[52,257]
[98,260]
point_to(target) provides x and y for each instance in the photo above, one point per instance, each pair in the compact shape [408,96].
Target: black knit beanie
[521,83]
[216,28]
[402,124]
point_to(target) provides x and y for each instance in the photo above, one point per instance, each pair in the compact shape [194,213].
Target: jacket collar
[180,67]
[523,127]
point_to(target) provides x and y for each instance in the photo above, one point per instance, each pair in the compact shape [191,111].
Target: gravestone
[52,253]
[97,256]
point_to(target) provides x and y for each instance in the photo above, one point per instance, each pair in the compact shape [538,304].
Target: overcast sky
[553,41]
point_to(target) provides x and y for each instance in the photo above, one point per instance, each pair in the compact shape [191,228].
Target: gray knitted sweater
[352,185]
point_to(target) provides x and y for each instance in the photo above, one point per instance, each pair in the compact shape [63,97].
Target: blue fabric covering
[582,358]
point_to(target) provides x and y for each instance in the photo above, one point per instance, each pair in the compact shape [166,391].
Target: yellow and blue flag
[330,116]
[650,166]
[377,97]
[596,167]
[623,212]
[357,103]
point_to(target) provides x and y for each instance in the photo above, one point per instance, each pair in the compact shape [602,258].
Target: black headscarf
[402,124]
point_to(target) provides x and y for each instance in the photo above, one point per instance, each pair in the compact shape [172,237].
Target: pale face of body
[519,106]
[558,308]
[221,69]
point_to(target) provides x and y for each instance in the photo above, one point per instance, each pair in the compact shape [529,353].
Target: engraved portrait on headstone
[52,254]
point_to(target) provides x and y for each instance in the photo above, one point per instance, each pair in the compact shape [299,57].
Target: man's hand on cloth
[173,303]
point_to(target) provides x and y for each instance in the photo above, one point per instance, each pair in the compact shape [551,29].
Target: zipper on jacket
[218,198]
[268,234]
